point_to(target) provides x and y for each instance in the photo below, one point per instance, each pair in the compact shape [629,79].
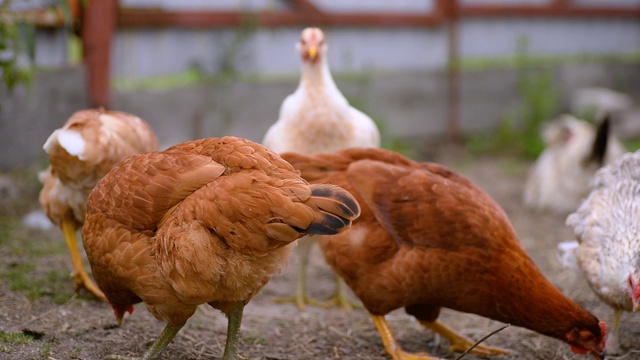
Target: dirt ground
[49,323]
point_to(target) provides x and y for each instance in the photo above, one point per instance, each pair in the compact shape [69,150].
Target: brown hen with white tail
[89,144]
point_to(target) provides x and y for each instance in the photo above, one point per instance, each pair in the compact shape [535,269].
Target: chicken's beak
[312,52]
[598,356]
[119,318]
[636,305]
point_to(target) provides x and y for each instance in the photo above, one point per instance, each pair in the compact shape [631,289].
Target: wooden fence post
[98,25]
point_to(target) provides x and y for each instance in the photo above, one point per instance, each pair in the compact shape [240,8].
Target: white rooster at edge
[607,227]
[318,118]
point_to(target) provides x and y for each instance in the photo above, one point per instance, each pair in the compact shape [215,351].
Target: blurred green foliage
[17,48]
[18,45]
[519,130]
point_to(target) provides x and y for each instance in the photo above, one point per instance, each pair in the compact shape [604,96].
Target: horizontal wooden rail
[135,18]
[549,11]
[141,17]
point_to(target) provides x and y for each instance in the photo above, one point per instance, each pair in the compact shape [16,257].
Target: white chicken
[575,150]
[318,118]
[607,227]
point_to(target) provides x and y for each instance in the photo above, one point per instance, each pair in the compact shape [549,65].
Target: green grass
[512,62]
[22,250]
[9,339]
[631,144]
[16,338]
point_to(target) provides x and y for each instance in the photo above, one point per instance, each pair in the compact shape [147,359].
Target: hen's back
[89,144]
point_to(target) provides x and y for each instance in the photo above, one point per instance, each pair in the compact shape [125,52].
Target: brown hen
[89,144]
[207,221]
[428,238]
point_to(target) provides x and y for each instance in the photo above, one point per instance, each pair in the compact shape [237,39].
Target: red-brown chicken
[428,238]
[89,144]
[203,222]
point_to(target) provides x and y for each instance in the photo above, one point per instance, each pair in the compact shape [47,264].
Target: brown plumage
[429,238]
[89,144]
[207,221]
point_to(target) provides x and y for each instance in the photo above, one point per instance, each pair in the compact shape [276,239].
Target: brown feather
[109,137]
[429,238]
[206,221]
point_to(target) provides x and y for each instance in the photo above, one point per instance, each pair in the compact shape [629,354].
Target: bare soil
[83,328]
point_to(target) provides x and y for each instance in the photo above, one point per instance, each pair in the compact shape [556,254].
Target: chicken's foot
[80,276]
[391,345]
[341,298]
[233,332]
[460,343]
[161,342]
[300,298]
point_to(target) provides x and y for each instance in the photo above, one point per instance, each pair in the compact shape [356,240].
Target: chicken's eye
[586,336]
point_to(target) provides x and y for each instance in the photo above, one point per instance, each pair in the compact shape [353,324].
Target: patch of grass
[511,62]
[519,131]
[20,240]
[23,249]
[24,278]
[16,338]
[632,144]
[45,350]
[189,77]
[9,339]
[20,279]
[73,354]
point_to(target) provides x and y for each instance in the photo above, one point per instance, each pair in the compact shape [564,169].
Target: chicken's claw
[460,343]
[390,343]
[341,299]
[80,276]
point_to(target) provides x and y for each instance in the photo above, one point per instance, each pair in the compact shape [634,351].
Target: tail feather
[599,146]
[335,209]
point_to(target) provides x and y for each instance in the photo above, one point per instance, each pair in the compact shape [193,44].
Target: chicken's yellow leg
[613,340]
[340,297]
[161,342]
[391,344]
[233,332]
[458,342]
[80,276]
[300,297]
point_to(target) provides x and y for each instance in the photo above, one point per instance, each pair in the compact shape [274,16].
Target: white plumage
[607,226]
[318,118]
[559,179]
